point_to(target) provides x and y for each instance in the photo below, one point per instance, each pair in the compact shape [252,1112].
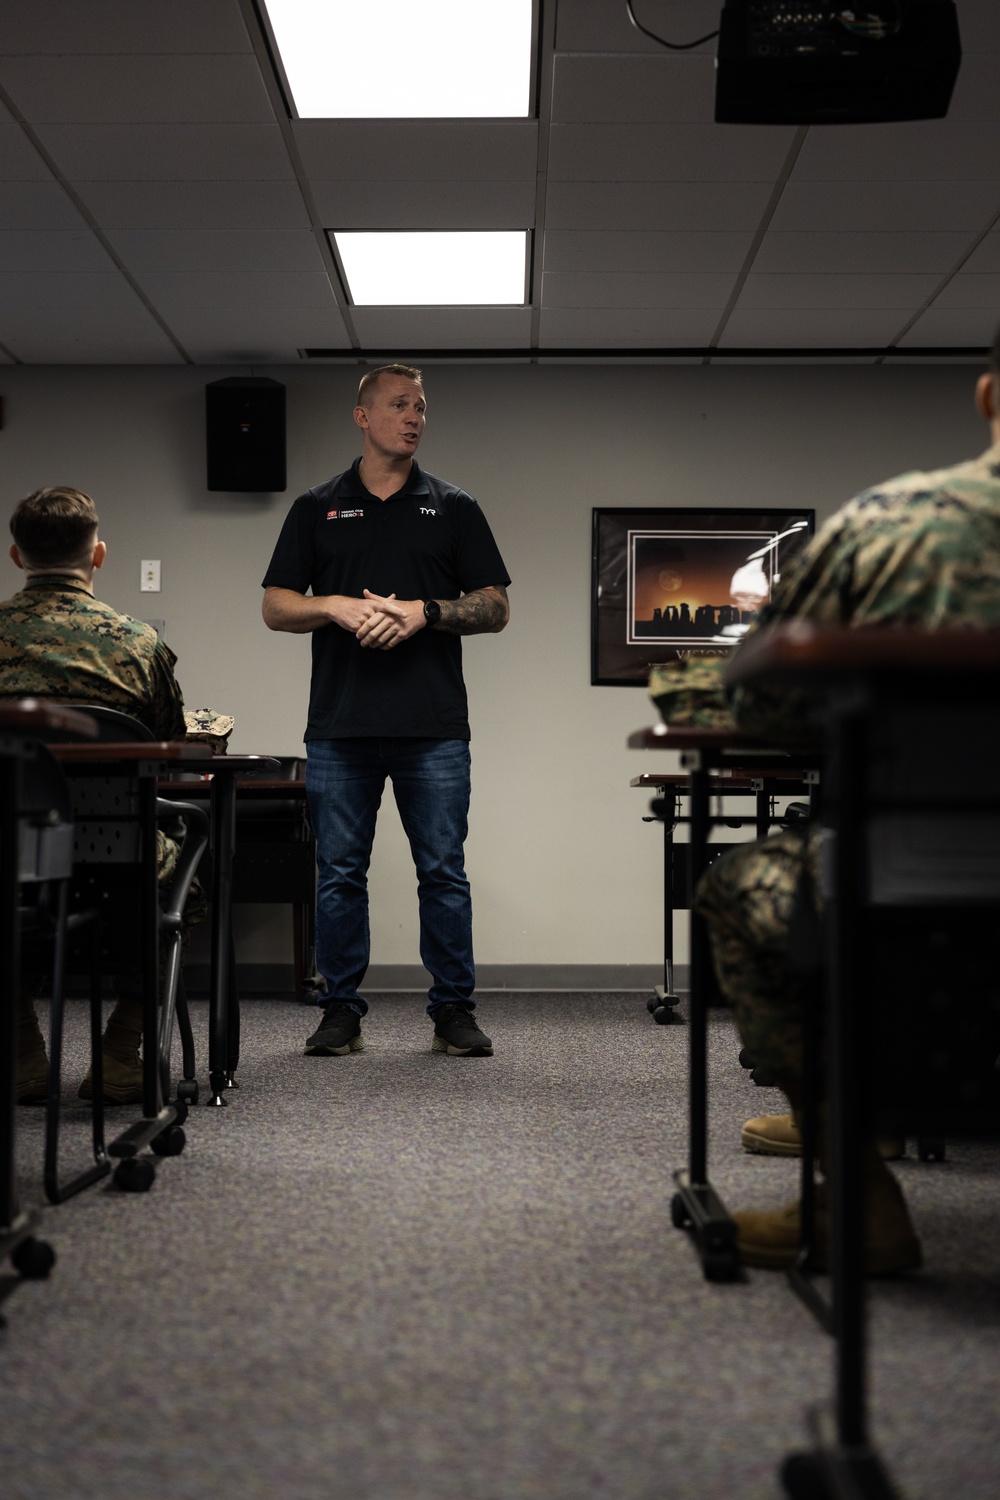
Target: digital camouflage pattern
[206,727]
[58,641]
[747,897]
[921,550]
[690,692]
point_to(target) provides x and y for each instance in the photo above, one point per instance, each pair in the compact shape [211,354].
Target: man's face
[393,420]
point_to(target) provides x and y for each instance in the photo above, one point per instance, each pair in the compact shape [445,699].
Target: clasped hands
[389,621]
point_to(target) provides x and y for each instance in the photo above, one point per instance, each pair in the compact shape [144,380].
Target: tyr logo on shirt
[343,515]
[426,511]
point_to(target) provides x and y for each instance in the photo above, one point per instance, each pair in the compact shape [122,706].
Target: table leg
[223,819]
[696,1205]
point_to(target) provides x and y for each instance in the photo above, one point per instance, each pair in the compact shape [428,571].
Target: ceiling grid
[159,205]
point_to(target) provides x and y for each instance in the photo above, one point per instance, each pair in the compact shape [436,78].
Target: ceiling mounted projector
[809,62]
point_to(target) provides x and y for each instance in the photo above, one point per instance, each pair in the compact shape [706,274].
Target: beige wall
[564,871]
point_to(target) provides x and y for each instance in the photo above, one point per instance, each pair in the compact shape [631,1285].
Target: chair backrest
[112,725]
[928,901]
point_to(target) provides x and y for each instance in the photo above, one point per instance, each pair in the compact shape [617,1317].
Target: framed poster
[672,582]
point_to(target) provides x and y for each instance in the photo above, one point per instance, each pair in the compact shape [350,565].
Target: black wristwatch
[432,611]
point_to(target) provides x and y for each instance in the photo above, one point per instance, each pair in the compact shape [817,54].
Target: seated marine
[921,550]
[58,641]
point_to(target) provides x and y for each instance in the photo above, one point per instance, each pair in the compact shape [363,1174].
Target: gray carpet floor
[403,1276]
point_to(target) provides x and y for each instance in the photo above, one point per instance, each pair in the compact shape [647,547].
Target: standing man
[400,565]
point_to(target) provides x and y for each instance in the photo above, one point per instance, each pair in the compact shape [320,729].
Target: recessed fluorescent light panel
[434,268]
[405,59]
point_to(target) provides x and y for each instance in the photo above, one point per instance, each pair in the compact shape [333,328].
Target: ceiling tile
[667,153]
[600,26]
[65,292]
[411,204]
[680,252]
[986,256]
[918,151]
[38,205]
[861,252]
[199,292]
[180,250]
[171,152]
[799,328]
[19,161]
[428,150]
[634,89]
[976,290]
[87,336]
[975,96]
[52,250]
[443,327]
[226,335]
[129,89]
[979,24]
[655,205]
[920,207]
[124,26]
[829,291]
[606,289]
[198,206]
[958,326]
[627,327]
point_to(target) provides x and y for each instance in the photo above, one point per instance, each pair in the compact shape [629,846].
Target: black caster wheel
[34,1259]
[763,1079]
[136,1174]
[664,1015]
[652,1004]
[187,1091]
[678,1213]
[746,1061]
[930,1148]
[721,1266]
[181,1109]
[169,1142]
[802,1477]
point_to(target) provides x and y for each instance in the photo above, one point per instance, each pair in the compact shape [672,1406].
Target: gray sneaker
[338,1033]
[457,1032]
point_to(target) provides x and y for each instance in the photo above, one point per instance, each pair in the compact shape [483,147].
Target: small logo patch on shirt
[425,510]
[343,515]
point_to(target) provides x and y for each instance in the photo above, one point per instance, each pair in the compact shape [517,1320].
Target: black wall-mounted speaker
[816,62]
[245,434]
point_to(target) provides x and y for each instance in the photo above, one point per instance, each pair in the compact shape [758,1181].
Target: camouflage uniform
[921,550]
[58,642]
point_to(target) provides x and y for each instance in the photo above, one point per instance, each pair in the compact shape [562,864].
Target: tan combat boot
[773,1240]
[779,1135]
[32,1059]
[120,1052]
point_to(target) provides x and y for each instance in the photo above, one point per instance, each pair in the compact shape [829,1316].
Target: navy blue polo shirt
[428,541]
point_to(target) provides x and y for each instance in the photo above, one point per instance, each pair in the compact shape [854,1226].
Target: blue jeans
[430,779]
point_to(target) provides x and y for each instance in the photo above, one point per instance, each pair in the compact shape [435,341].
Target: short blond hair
[55,527]
[370,380]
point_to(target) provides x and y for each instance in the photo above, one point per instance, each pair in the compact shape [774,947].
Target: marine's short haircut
[369,381]
[55,528]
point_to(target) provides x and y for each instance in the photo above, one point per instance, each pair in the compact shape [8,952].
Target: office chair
[189,824]
[45,873]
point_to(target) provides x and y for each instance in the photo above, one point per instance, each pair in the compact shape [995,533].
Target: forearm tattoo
[475,613]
